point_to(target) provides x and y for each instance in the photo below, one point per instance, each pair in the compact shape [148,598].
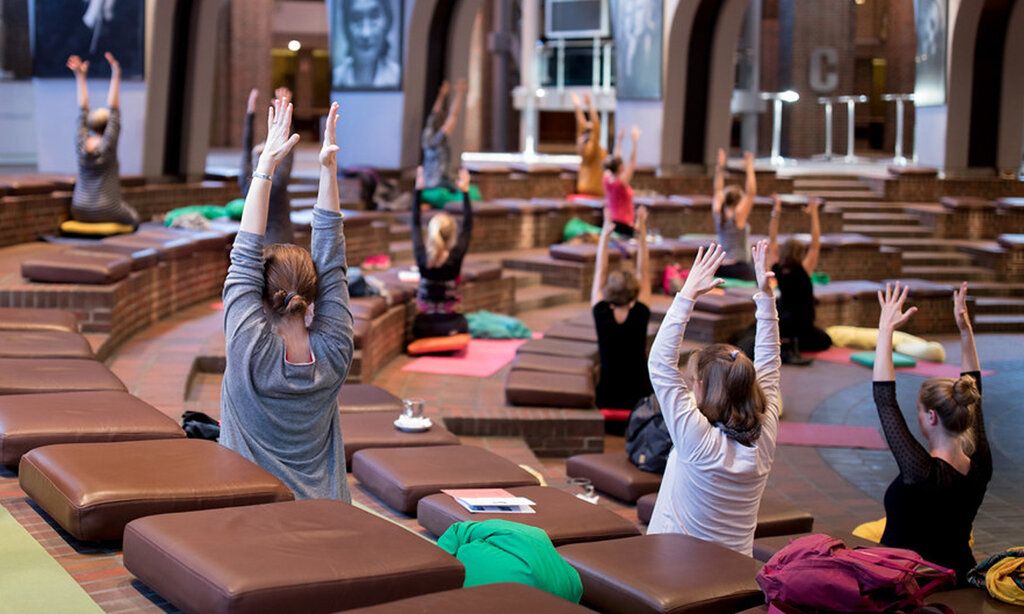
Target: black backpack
[647,439]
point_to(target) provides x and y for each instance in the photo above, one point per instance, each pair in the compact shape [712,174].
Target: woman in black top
[440,265]
[793,268]
[931,506]
[619,304]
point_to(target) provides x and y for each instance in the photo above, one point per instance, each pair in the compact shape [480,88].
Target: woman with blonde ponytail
[285,363]
[439,259]
[930,507]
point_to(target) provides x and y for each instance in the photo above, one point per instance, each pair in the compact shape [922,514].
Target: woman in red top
[617,191]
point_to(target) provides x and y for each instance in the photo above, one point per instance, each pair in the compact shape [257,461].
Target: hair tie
[288,298]
[733,354]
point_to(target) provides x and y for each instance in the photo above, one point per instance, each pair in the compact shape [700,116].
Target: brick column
[243,62]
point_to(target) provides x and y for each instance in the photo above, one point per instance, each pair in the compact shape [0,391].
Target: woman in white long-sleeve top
[722,412]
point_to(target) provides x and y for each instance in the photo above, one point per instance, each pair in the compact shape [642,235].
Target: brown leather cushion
[504,598]
[553,364]
[376,429]
[961,203]
[299,556]
[692,200]
[773,517]
[565,518]
[765,547]
[93,490]
[29,421]
[17,318]
[560,347]
[612,473]
[481,271]
[571,332]
[724,303]
[72,267]
[540,389]
[846,290]
[961,600]
[923,288]
[29,375]
[43,344]
[913,171]
[368,307]
[367,397]
[663,573]
[215,239]
[167,247]
[360,330]
[142,257]
[582,252]
[403,476]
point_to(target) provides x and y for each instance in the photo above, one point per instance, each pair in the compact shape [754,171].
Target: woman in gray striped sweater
[97,195]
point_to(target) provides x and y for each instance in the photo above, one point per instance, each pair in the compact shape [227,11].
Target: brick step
[831,184]
[998,305]
[303,190]
[399,232]
[877,217]
[949,273]
[995,289]
[302,204]
[542,297]
[923,244]
[864,207]
[880,231]
[400,250]
[561,273]
[845,195]
[938,258]
[524,279]
[1000,323]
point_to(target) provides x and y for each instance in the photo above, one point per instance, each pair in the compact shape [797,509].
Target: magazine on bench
[491,501]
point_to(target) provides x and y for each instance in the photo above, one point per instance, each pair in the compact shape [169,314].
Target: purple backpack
[818,572]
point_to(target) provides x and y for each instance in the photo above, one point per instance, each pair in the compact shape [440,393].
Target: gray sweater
[280,415]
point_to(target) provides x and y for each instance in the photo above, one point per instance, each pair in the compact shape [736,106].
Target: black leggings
[439,325]
[812,339]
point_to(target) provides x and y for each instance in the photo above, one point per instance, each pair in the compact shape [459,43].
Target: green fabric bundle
[899,361]
[234,208]
[439,197]
[487,325]
[495,551]
[576,227]
[210,212]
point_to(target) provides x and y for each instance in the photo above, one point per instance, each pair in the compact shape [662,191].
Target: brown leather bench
[766,546]
[299,556]
[503,598]
[571,332]
[581,252]
[961,600]
[565,518]
[559,347]
[93,490]
[773,517]
[29,375]
[612,473]
[365,430]
[166,247]
[923,288]
[402,476]
[76,267]
[18,318]
[539,389]
[553,364]
[367,397]
[43,344]
[913,171]
[663,573]
[141,257]
[29,421]
[963,203]
[368,307]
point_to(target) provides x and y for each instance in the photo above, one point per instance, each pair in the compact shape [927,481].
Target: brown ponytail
[290,283]
[955,401]
[732,400]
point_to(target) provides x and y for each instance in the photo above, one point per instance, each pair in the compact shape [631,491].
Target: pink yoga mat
[925,369]
[830,436]
[482,358]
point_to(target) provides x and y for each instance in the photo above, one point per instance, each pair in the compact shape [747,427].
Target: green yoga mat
[30,579]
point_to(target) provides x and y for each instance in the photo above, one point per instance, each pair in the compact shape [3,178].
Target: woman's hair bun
[965,392]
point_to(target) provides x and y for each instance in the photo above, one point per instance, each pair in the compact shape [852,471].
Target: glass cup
[582,488]
[412,409]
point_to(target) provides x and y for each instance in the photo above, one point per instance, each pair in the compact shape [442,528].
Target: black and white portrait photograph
[637,30]
[89,28]
[930,88]
[366,44]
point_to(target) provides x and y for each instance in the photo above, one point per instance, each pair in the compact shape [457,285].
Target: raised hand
[463,182]
[813,205]
[748,160]
[776,205]
[635,134]
[279,141]
[963,318]
[329,148]
[891,301]
[761,271]
[115,66]
[250,106]
[575,99]
[701,279]
[641,216]
[461,87]
[283,92]
[444,89]
[78,66]
[421,180]
[721,158]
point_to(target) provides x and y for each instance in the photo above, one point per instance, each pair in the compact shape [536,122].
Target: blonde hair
[955,401]
[732,399]
[440,238]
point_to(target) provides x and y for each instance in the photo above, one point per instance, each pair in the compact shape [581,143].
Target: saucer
[413,425]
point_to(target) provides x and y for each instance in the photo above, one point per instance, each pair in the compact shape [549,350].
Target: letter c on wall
[824,70]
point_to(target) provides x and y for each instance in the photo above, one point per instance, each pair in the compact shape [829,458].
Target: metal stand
[828,102]
[851,102]
[899,159]
[777,99]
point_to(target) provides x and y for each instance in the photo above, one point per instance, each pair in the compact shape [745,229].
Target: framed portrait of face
[89,28]
[366,44]
[932,32]
[637,28]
